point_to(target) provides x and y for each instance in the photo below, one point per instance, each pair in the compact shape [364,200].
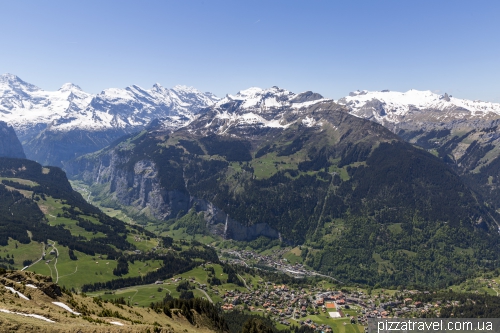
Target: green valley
[368,207]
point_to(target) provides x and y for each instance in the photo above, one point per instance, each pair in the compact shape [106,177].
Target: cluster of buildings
[303,305]
[286,305]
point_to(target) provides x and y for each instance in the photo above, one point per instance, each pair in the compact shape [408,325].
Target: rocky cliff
[10,146]
[138,190]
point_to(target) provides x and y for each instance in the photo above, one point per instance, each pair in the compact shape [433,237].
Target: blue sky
[331,47]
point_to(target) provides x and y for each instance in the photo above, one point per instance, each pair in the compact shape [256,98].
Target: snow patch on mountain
[392,106]
[25,106]
[228,120]
[309,121]
[259,108]
[265,99]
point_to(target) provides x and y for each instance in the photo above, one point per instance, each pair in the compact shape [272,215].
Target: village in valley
[322,307]
[308,298]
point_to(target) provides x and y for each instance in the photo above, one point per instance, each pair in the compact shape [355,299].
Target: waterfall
[225,227]
[98,173]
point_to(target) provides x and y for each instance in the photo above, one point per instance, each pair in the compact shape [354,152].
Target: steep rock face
[10,146]
[139,190]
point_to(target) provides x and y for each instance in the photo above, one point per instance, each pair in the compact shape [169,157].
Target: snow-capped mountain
[256,107]
[24,105]
[40,116]
[263,100]
[415,105]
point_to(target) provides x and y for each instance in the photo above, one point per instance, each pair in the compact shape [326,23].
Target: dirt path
[43,253]
[55,262]
[132,298]
[244,282]
[76,269]
[208,297]
[50,271]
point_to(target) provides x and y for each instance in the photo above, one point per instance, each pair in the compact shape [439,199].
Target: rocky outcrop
[50,289]
[307,96]
[10,146]
[15,279]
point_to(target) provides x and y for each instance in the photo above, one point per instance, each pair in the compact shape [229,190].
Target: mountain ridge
[396,106]
[70,101]
[51,124]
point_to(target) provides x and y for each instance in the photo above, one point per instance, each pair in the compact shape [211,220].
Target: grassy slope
[142,295]
[87,269]
[135,319]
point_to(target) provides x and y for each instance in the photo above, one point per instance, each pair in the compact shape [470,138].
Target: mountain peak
[358,93]
[9,77]
[257,90]
[306,96]
[15,82]
[249,91]
[70,87]
[158,88]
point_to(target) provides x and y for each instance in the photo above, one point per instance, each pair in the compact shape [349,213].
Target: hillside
[47,227]
[369,207]
[32,302]
[463,133]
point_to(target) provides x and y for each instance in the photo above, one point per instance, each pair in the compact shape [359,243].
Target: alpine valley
[368,206]
[169,210]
